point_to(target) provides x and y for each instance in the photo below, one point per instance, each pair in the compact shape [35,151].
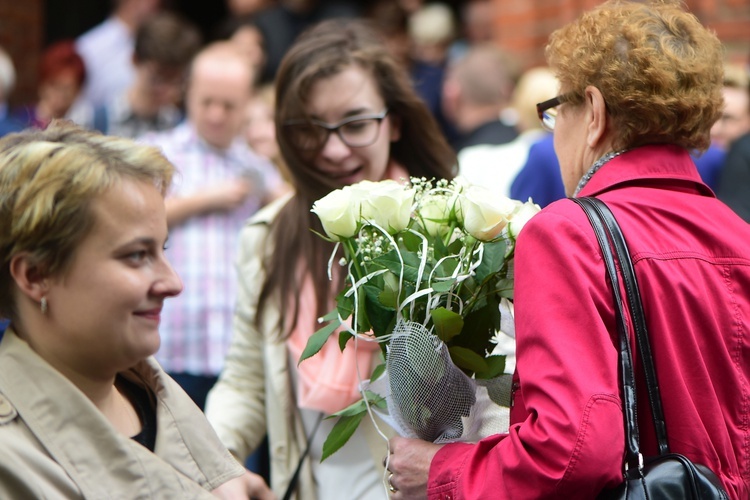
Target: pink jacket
[692,260]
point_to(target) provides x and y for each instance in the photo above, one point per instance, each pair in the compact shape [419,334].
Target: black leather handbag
[666,476]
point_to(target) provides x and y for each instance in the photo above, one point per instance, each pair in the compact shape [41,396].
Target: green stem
[449,234]
[458,288]
[351,254]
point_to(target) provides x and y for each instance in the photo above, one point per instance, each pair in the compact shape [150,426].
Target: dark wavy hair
[321,52]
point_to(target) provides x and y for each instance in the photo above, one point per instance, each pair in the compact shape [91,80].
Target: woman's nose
[168,283]
[334,148]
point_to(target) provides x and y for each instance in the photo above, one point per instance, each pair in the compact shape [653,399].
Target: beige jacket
[257,365]
[55,444]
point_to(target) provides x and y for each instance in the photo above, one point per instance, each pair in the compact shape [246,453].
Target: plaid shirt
[196,326]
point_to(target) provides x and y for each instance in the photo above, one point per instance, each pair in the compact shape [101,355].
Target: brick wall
[522,27]
[21,35]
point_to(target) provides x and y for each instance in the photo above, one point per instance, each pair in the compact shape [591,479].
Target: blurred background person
[247,35]
[735,117]
[476,18]
[260,127]
[540,179]
[220,183]
[476,90]
[87,412]
[8,123]
[734,183]
[496,167]
[345,112]
[283,22]
[107,50]
[239,8]
[432,29]
[391,20]
[62,74]
[733,123]
[164,46]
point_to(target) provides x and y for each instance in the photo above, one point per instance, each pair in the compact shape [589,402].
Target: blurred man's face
[161,84]
[735,118]
[217,99]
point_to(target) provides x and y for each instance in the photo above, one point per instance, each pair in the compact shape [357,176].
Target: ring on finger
[391,488]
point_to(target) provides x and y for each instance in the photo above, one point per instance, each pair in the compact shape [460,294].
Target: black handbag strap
[610,236]
[292,486]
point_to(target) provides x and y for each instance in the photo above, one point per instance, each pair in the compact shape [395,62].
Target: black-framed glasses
[356,131]
[547,110]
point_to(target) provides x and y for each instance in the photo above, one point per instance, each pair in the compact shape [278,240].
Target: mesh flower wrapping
[429,268]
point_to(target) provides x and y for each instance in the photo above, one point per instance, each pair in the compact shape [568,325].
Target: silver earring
[44,305]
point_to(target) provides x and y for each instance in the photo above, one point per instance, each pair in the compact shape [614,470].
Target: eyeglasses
[356,131]
[547,110]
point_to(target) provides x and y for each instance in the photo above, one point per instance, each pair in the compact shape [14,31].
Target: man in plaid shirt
[220,182]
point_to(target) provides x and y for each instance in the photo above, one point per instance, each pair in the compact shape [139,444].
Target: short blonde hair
[736,76]
[659,70]
[48,179]
[535,85]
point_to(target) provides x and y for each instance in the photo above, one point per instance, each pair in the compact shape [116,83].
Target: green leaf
[331,316]
[363,322]
[344,337]
[345,305]
[455,247]
[340,434]
[411,264]
[382,319]
[443,286]
[378,372]
[411,242]
[360,406]
[492,261]
[439,247]
[447,323]
[316,341]
[389,295]
[446,268]
[495,367]
[468,360]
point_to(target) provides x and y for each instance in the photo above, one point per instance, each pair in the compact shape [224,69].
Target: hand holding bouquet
[429,274]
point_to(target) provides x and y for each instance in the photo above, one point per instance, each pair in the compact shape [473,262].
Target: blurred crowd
[149,74]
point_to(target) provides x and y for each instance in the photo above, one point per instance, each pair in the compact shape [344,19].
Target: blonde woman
[85,411]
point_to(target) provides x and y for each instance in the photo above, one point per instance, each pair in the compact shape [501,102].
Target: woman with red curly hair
[640,88]
[61,76]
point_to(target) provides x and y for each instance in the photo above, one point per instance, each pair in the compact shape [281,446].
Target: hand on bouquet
[409,465]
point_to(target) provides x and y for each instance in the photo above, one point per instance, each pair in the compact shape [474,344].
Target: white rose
[338,212]
[386,203]
[435,212]
[485,214]
[521,216]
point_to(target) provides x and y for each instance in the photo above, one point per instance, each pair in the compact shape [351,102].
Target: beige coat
[55,444]
[257,365]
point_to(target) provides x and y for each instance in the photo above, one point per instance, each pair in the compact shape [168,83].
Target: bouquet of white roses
[429,270]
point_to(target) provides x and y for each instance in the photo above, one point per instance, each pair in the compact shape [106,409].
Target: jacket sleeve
[236,404]
[566,439]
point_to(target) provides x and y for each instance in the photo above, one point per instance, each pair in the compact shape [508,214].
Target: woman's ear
[597,124]
[28,276]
